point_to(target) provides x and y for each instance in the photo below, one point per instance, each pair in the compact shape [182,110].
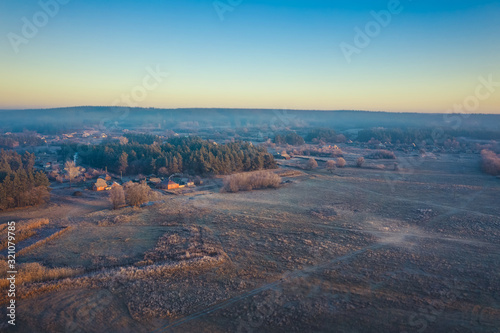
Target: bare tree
[312,164]
[360,161]
[123,140]
[123,162]
[163,171]
[330,165]
[341,162]
[117,197]
[490,162]
[71,170]
[137,194]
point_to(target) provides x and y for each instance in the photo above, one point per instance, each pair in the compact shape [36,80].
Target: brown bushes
[490,162]
[24,230]
[312,164]
[137,194]
[43,241]
[251,181]
[330,165]
[382,154]
[35,272]
[289,173]
[341,162]
[117,197]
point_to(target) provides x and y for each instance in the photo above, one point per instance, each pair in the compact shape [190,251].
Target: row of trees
[20,184]
[330,164]
[189,155]
[317,135]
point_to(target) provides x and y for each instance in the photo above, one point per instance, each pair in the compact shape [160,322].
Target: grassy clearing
[43,241]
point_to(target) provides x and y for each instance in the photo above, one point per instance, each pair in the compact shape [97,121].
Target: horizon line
[241,109]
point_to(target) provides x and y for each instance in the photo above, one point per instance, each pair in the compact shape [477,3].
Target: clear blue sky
[263,54]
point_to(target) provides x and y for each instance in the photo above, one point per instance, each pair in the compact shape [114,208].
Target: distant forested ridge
[20,184]
[63,120]
[189,154]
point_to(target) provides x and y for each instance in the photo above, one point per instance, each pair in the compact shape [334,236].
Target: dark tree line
[322,134]
[189,155]
[20,184]
[142,139]
[20,139]
[290,138]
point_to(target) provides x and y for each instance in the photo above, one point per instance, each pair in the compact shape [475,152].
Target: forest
[20,184]
[14,140]
[193,155]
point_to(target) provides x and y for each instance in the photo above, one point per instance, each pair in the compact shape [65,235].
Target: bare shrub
[72,171]
[35,272]
[341,162]
[163,171]
[490,162]
[312,164]
[117,197]
[137,194]
[33,224]
[289,173]
[252,181]
[330,165]
[186,244]
[382,154]
[325,213]
[198,181]
[360,161]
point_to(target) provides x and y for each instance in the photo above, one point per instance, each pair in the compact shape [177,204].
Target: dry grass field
[353,250]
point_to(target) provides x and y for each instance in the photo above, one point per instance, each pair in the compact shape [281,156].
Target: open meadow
[354,249]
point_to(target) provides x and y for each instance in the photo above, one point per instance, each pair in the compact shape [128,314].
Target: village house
[167,185]
[106,177]
[100,185]
[172,185]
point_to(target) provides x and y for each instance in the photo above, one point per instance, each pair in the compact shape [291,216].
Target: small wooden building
[172,185]
[100,185]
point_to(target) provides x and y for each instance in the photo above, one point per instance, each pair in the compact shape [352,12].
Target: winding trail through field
[286,277]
